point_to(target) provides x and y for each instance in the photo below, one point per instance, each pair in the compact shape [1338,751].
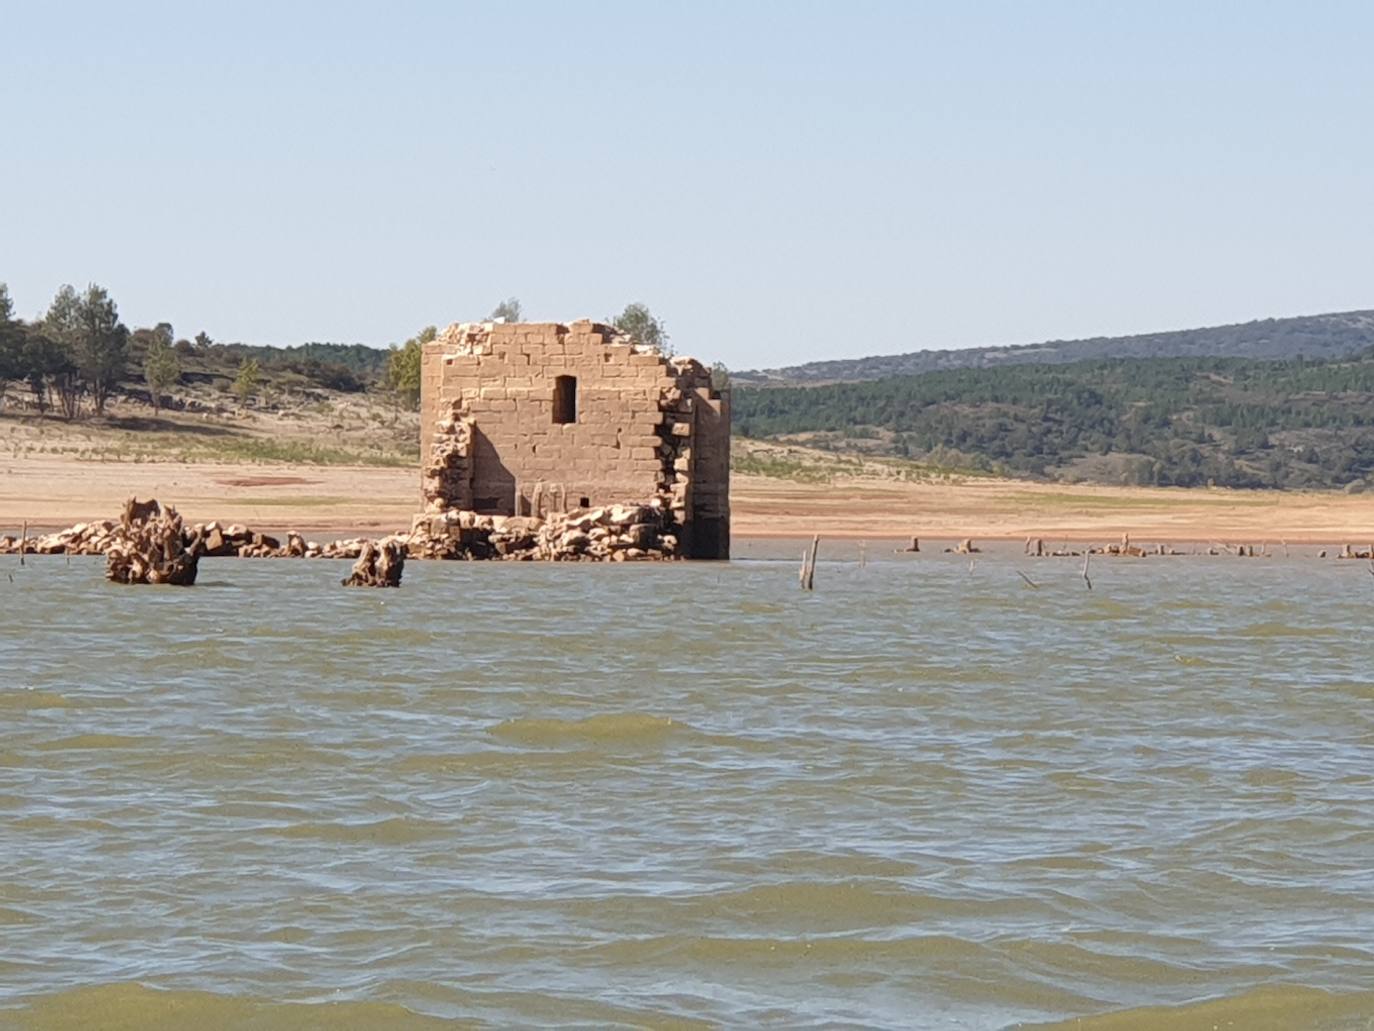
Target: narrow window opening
[565,399]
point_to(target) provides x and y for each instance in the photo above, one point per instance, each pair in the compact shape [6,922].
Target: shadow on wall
[493,487]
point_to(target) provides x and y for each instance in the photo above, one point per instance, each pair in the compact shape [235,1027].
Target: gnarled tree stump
[379,565]
[150,547]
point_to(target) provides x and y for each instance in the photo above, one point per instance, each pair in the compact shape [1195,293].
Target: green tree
[59,339]
[640,325]
[11,342]
[161,367]
[203,340]
[48,369]
[403,367]
[247,379]
[101,344]
[509,310]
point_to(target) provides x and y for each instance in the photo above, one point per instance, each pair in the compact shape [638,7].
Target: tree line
[74,356]
[76,353]
[1332,337]
[1161,421]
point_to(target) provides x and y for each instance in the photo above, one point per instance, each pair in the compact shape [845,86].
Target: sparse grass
[297,501]
[170,447]
[131,435]
[1230,499]
[292,452]
[779,468]
[813,465]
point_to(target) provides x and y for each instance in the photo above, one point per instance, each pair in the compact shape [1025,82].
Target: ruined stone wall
[496,437]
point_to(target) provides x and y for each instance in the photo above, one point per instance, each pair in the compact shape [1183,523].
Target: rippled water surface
[924,796]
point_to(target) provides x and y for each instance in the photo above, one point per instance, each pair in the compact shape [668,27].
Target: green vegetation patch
[1187,422]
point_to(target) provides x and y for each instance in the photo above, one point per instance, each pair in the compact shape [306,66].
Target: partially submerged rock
[379,565]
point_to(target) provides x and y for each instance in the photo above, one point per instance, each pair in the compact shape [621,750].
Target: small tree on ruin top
[639,323]
[509,310]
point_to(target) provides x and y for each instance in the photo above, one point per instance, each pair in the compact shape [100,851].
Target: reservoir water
[925,795]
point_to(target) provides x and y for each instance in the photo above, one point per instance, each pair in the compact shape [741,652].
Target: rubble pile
[150,546]
[610,533]
[235,541]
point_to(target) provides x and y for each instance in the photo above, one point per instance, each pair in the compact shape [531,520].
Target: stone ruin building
[553,425]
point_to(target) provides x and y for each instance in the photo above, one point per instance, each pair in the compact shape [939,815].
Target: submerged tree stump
[150,547]
[379,565]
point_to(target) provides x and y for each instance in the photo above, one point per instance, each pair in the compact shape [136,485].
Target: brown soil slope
[300,470]
[52,491]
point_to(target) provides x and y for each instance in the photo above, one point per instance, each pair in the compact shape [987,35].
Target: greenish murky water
[923,796]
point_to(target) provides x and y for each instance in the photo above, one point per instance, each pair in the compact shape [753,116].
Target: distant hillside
[1310,336]
[1234,422]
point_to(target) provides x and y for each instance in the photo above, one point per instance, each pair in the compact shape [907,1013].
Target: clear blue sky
[779,182]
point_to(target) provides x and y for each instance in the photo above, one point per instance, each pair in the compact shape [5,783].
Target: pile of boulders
[235,541]
[609,533]
[81,539]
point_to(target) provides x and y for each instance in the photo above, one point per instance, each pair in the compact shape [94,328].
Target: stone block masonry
[539,419]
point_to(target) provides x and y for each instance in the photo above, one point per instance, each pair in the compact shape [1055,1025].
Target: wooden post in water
[863,554]
[808,567]
[23,541]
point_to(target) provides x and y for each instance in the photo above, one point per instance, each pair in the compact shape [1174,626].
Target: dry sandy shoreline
[56,491]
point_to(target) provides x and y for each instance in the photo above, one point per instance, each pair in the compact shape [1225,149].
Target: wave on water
[1267,1008]
[1271,628]
[136,1007]
[31,698]
[397,830]
[629,728]
[97,742]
